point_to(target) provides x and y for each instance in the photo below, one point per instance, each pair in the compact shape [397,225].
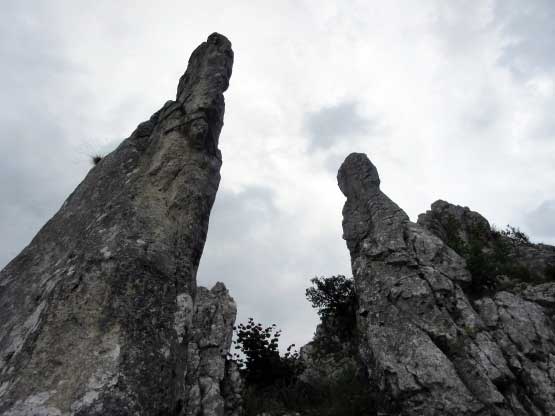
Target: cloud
[463,93]
[530,34]
[340,122]
[266,258]
[541,221]
[39,167]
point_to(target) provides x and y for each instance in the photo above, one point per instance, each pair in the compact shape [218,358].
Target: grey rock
[209,340]
[538,258]
[428,347]
[232,389]
[279,414]
[98,312]
[543,294]
[443,215]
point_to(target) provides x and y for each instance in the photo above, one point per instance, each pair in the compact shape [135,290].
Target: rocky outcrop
[209,340]
[453,223]
[101,313]
[429,347]
[444,219]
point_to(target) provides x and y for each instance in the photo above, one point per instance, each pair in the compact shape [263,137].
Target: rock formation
[431,345]
[452,222]
[101,314]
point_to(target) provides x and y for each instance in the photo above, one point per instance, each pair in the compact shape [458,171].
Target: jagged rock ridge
[101,313]
[428,346]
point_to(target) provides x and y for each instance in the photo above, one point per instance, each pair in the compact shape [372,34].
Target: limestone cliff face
[101,313]
[429,347]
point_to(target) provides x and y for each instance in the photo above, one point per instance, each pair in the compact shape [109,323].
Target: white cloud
[541,221]
[336,123]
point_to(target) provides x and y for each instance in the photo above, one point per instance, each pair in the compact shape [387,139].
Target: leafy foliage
[489,254]
[333,296]
[273,385]
[515,235]
[260,362]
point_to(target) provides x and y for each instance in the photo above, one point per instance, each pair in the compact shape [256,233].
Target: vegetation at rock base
[272,381]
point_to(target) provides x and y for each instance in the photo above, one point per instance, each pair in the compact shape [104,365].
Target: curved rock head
[357,174]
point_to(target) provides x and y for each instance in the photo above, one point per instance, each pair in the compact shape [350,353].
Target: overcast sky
[450,100]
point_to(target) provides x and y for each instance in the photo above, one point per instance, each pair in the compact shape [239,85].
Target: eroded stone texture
[209,338]
[97,310]
[428,347]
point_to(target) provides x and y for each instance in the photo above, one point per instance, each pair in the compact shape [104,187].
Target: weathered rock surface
[430,348]
[209,341]
[101,314]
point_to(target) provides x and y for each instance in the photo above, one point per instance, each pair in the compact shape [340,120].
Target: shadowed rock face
[427,346]
[98,312]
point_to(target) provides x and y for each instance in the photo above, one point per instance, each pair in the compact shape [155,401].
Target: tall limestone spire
[98,311]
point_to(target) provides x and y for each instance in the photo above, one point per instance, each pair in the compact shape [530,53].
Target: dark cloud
[541,221]
[329,125]
[38,168]
[529,27]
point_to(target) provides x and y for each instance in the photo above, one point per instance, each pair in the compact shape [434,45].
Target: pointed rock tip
[357,173]
[208,73]
[219,287]
[219,40]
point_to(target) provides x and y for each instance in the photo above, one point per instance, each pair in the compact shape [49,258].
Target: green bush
[515,235]
[259,359]
[489,254]
[334,298]
[272,381]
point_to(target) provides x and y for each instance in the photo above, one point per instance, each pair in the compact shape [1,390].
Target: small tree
[260,362]
[515,235]
[334,298]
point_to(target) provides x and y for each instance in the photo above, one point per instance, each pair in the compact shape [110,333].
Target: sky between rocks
[450,99]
